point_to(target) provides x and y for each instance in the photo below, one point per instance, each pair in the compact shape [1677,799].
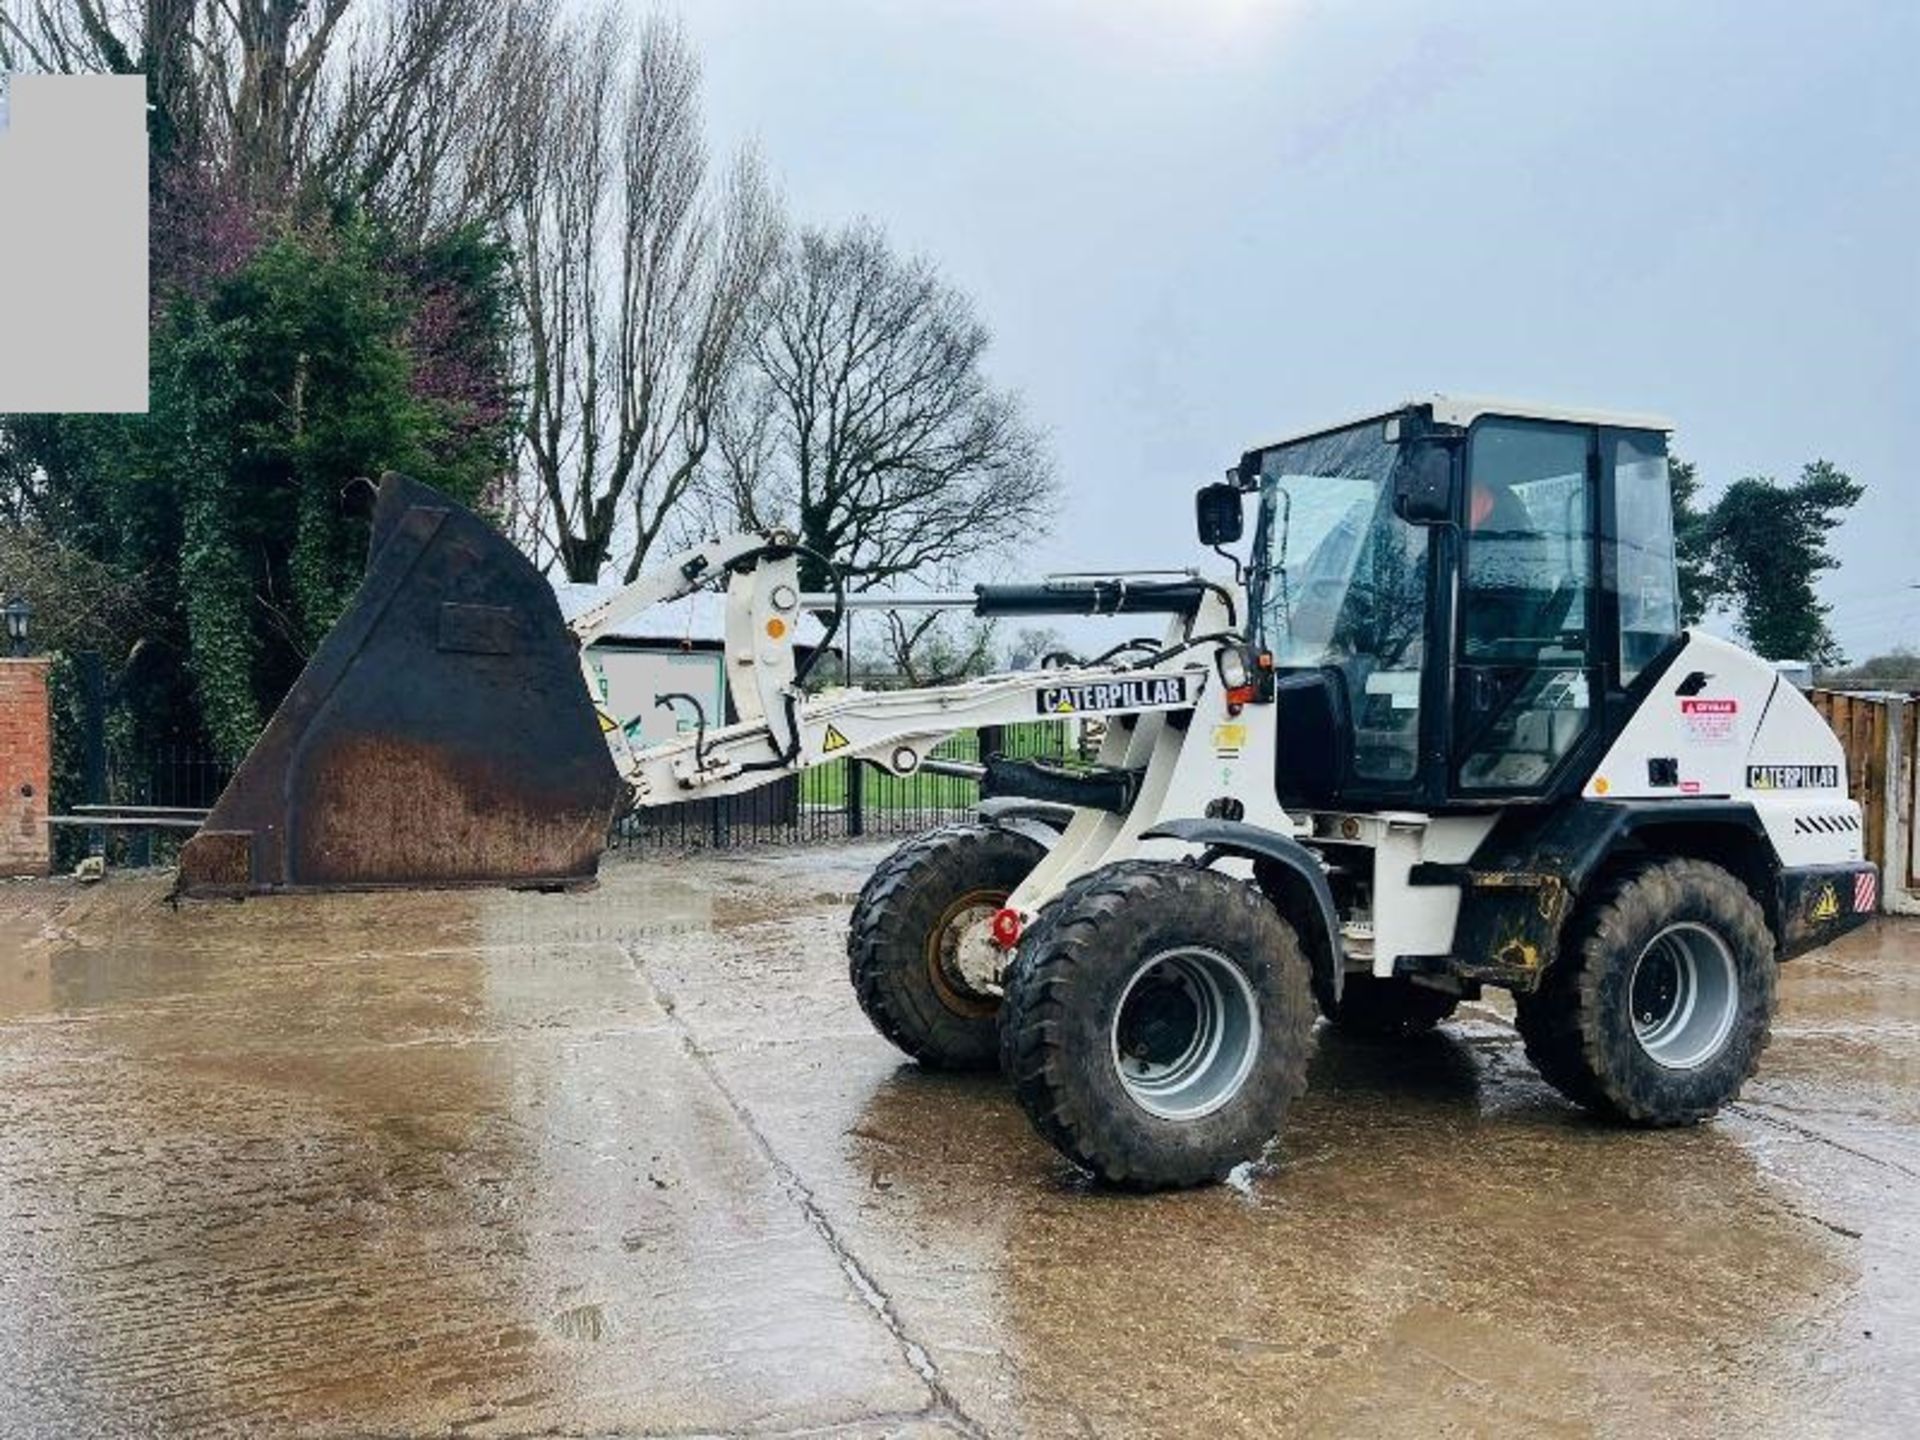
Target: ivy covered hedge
[318,352]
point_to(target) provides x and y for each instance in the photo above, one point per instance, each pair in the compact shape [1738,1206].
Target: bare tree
[869,427]
[158,39]
[78,602]
[402,105]
[426,107]
[637,278]
[874,431]
[1033,645]
[936,649]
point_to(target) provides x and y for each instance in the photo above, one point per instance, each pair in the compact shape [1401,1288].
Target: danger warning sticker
[1709,722]
[1827,906]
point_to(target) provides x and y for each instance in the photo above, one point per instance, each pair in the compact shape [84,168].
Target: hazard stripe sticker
[1866,893]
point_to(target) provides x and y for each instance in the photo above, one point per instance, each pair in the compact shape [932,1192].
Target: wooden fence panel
[1852,720]
[1881,737]
[1876,779]
[1907,788]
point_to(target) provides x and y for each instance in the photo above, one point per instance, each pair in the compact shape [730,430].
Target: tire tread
[1036,1025]
[914,1022]
[1562,1024]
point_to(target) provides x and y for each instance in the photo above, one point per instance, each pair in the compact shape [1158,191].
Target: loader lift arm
[1189,738]
[446,732]
[781,729]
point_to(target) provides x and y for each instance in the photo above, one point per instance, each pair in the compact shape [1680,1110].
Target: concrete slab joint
[632,1162]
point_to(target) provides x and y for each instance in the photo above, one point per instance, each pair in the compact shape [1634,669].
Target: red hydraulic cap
[1006,928]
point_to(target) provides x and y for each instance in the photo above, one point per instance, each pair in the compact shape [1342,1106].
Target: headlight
[1233,667]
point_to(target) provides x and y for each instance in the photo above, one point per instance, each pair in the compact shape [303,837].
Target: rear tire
[1157,1024]
[900,944]
[1374,1009]
[1661,998]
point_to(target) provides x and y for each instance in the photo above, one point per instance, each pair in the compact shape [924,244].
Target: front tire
[1661,999]
[1157,1023]
[902,944]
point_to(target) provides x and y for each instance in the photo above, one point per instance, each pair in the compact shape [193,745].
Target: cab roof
[1463,410]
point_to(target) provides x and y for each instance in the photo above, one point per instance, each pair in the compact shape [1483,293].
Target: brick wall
[25,760]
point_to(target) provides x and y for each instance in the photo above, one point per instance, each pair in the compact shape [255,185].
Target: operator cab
[1463,599]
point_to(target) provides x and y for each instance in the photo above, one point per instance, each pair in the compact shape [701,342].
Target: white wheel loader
[1440,729]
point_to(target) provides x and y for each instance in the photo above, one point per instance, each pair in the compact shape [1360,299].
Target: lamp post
[19,613]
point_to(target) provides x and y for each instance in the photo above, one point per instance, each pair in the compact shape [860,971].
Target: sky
[1199,225]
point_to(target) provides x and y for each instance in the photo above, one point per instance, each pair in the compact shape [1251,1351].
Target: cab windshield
[1342,583]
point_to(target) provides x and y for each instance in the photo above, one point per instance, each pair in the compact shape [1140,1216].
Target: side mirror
[1217,513]
[1423,485]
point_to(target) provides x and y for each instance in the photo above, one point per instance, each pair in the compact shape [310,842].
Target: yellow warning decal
[1827,906]
[1229,740]
[833,740]
[607,722]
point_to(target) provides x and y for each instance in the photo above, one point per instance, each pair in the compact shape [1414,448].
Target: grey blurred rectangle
[73,244]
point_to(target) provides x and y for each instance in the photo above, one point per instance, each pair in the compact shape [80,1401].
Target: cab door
[1527,680]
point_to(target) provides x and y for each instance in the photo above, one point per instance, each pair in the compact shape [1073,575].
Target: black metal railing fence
[842,799]
[176,776]
[133,806]
[846,799]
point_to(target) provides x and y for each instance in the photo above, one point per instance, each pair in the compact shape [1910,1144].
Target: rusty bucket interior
[441,735]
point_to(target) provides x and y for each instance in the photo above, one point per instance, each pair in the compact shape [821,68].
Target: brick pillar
[26,763]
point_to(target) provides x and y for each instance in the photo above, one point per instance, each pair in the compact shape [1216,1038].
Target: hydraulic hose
[699,720]
[1217,636]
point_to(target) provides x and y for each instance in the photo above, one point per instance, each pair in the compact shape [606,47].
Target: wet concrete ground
[632,1162]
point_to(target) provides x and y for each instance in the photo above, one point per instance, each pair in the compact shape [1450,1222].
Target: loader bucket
[441,735]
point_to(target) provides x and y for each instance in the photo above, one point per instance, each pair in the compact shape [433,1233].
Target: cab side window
[1643,520]
[1529,573]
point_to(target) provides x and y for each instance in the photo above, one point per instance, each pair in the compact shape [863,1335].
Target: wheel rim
[1685,996]
[1185,1033]
[949,978]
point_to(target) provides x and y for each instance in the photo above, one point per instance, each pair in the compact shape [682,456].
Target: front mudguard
[1292,877]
